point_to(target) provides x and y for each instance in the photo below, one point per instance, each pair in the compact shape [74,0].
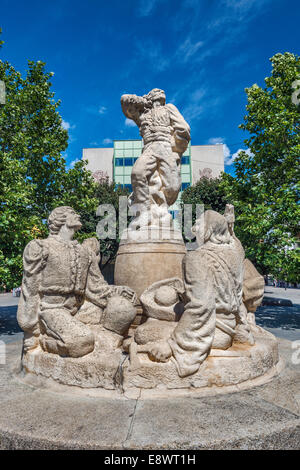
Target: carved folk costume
[156,176]
[59,274]
[213,276]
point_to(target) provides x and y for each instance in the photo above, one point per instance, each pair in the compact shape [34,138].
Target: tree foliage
[265,190]
[105,193]
[34,178]
[207,191]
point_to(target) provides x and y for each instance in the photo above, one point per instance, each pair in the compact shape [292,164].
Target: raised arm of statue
[182,131]
[133,106]
[34,258]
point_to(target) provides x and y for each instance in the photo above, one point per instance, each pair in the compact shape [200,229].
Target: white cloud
[129,123]
[102,110]
[216,140]
[229,159]
[226,154]
[66,125]
[107,141]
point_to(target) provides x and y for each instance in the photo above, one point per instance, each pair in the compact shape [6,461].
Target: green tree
[1,42]
[104,193]
[265,191]
[207,191]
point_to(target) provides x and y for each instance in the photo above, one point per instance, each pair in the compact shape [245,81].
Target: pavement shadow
[267,316]
[8,320]
[287,318]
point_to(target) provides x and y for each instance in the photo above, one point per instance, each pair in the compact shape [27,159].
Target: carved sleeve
[182,131]
[97,289]
[192,339]
[133,106]
[34,259]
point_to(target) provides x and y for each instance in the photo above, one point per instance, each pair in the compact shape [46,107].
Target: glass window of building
[185,160]
[119,161]
[128,186]
[128,161]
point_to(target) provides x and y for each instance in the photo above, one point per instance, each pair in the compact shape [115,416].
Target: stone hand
[160,351]
[127,293]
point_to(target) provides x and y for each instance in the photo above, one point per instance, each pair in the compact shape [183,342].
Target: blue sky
[203,53]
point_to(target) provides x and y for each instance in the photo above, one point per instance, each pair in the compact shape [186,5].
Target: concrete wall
[206,158]
[99,159]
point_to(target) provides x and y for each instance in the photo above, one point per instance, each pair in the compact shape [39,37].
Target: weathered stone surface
[265,417]
[214,315]
[60,277]
[239,364]
[98,369]
[155,176]
[141,264]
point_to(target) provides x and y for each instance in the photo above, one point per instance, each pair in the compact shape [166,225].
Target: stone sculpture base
[141,262]
[39,417]
[97,369]
[114,371]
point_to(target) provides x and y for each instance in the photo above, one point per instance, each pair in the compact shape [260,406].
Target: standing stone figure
[156,176]
[60,275]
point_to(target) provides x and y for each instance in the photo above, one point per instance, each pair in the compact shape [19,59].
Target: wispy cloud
[107,141]
[150,53]
[188,49]
[216,140]
[129,123]
[94,109]
[146,7]
[67,126]
[194,106]
[72,164]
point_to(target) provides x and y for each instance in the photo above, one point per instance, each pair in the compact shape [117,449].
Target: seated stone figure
[163,305]
[213,278]
[59,276]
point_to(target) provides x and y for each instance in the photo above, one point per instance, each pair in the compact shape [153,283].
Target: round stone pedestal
[240,365]
[41,417]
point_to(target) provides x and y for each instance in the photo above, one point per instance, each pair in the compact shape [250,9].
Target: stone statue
[186,318]
[213,313]
[60,278]
[155,177]
[253,292]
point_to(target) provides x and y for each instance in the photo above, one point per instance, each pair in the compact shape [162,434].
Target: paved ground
[283,322]
[264,417]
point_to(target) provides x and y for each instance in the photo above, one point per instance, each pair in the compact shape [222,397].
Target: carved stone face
[73,220]
[158,96]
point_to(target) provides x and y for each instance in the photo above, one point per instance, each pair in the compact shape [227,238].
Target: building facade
[117,163]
